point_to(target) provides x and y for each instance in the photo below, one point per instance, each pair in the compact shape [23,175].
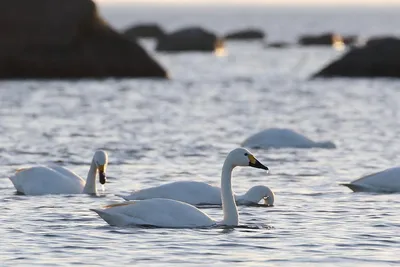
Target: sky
[270,2]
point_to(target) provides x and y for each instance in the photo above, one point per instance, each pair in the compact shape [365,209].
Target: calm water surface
[182,129]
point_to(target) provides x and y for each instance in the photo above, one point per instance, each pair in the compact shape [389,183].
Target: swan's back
[192,192]
[42,180]
[383,181]
[276,138]
[155,212]
[282,138]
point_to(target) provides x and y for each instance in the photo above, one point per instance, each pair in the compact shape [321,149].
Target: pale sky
[273,2]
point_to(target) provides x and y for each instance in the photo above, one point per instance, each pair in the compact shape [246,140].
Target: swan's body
[387,181]
[155,212]
[169,213]
[54,179]
[282,138]
[200,193]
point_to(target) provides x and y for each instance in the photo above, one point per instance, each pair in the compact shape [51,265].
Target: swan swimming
[283,138]
[387,181]
[54,179]
[200,193]
[160,212]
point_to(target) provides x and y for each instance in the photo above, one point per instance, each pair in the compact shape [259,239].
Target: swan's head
[100,158]
[243,157]
[257,193]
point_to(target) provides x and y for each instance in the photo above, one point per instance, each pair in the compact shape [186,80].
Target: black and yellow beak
[253,162]
[102,174]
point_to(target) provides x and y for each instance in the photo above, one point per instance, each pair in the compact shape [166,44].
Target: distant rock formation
[283,138]
[379,39]
[327,39]
[277,45]
[60,39]
[378,58]
[144,31]
[246,34]
[189,39]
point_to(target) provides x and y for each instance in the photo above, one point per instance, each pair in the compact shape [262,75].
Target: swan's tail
[354,187]
[119,195]
[126,197]
[111,219]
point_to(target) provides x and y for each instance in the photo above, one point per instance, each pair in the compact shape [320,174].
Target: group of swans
[173,204]
[169,205]
[162,212]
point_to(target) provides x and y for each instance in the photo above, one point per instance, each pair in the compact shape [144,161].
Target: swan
[283,138]
[386,181]
[200,193]
[54,179]
[161,212]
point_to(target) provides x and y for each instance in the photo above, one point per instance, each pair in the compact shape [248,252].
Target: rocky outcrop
[66,39]
[378,58]
[189,39]
[144,31]
[277,45]
[327,39]
[247,34]
[379,39]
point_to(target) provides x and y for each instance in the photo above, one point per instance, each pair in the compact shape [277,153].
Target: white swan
[200,193]
[387,181]
[160,212]
[54,179]
[282,138]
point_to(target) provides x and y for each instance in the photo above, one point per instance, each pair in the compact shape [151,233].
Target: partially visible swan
[200,193]
[387,181]
[160,212]
[54,179]
[282,138]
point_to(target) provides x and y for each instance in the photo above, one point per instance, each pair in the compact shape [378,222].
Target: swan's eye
[246,154]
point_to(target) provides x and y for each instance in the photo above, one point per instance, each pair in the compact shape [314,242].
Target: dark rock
[248,34]
[323,39]
[379,58]
[189,39]
[379,39]
[278,45]
[66,39]
[144,31]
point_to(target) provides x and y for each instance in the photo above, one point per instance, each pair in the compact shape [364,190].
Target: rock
[379,58]
[66,39]
[278,45]
[247,34]
[283,138]
[144,31]
[189,39]
[379,39]
[323,39]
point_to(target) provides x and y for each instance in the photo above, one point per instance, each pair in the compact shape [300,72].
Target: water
[162,131]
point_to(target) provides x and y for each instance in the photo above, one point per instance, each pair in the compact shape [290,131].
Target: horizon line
[211,3]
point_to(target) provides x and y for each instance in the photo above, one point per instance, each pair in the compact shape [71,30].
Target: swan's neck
[90,186]
[231,216]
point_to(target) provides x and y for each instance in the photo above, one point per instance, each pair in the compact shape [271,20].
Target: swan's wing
[191,192]
[155,212]
[64,171]
[41,180]
[387,180]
